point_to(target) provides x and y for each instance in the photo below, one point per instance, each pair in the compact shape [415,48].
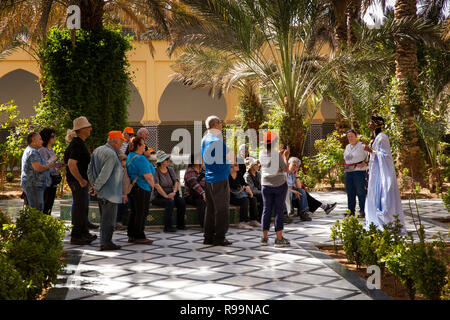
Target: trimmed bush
[32,249]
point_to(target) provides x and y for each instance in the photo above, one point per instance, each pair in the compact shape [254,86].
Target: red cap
[116,135]
[269,137]
[129,130]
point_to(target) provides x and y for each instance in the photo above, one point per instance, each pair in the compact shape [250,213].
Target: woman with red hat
[274,187]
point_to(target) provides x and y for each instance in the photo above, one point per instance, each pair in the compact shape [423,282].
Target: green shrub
[353,234]
[36,249]
[9,177]
[327,163]
[398,263]
[426,267]
[12,285]
[446,199]
[369,246]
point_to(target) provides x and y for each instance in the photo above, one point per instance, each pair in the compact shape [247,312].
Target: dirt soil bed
[389,282]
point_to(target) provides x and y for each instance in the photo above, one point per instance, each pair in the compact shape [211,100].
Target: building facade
[157,101]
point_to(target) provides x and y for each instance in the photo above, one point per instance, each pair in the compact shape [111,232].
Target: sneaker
[330,207]
[89,236]
[264,241]
[81,241]
[287,219]
[109,247]
[282,243]
[304,216]
[255,224]
[143,241]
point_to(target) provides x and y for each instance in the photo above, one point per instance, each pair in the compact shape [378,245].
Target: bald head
[143,133]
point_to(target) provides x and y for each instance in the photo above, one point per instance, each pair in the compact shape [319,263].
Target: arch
[21,86]
[181,103]
[136,108]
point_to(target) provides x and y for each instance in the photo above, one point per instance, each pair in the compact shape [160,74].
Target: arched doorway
[181,103]
[22,87]
[136,106]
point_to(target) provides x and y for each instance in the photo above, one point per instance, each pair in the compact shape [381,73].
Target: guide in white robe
[383,196]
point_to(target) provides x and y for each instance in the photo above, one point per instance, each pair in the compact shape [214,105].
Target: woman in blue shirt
[138,166]
[35,172]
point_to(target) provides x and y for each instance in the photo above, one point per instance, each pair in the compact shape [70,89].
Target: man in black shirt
[77,158]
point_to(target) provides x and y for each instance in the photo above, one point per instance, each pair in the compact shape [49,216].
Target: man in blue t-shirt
[216,157]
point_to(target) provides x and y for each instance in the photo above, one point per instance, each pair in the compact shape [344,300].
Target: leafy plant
[9,177]
[327,163]
[352,236]
[90,79]
[35,247]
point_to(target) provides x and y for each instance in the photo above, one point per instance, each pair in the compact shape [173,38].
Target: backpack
[127,185]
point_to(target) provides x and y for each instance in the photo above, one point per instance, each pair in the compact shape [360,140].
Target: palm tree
[209,68]
[406,73]
[277,42]
[23,23]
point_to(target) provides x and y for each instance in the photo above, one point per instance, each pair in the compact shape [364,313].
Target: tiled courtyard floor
[179,266]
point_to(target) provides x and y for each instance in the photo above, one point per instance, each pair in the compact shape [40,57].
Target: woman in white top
[355,173]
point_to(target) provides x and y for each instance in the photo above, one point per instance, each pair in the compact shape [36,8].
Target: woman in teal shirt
[138,166]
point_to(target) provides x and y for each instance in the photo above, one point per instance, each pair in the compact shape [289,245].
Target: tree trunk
[91,13]
[340,13]
[354,15]
[292,132]
[406,74]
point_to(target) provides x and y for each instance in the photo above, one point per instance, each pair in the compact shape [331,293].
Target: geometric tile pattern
[179,266]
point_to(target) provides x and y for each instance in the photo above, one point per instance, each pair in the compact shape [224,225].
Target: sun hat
[116,135]
[128,130]
[80,123]
[250,162]
[161,156]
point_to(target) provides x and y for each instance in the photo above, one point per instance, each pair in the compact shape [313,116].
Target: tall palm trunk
[406,74]
[292,131]
[354,15]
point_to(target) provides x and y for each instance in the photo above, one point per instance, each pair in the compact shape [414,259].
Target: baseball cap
[116,135]
[129,130]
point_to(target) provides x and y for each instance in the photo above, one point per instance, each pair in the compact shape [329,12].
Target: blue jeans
[273,198]
[35,196]
[355,183]
[302,203]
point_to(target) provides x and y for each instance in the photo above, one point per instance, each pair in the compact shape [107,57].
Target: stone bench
[155,217]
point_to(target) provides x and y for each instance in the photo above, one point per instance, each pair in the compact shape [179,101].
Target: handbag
[239,194]
[127,185]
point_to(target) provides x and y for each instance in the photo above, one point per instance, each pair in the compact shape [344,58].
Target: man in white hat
[77,158]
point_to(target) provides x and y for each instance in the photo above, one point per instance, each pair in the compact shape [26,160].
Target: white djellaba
[383,196]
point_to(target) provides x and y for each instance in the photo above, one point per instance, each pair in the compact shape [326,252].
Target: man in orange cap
[127,133]
[105,174]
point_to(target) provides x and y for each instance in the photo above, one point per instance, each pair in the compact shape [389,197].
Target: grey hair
[295,159]
[211,121]
[141,130]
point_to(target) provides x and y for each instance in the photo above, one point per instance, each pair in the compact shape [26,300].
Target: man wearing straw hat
[77,158]
[105,175]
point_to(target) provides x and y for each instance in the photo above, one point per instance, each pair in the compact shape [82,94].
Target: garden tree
[277,42]
[406,74]
[208,68]
[90,79]
[25,23]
